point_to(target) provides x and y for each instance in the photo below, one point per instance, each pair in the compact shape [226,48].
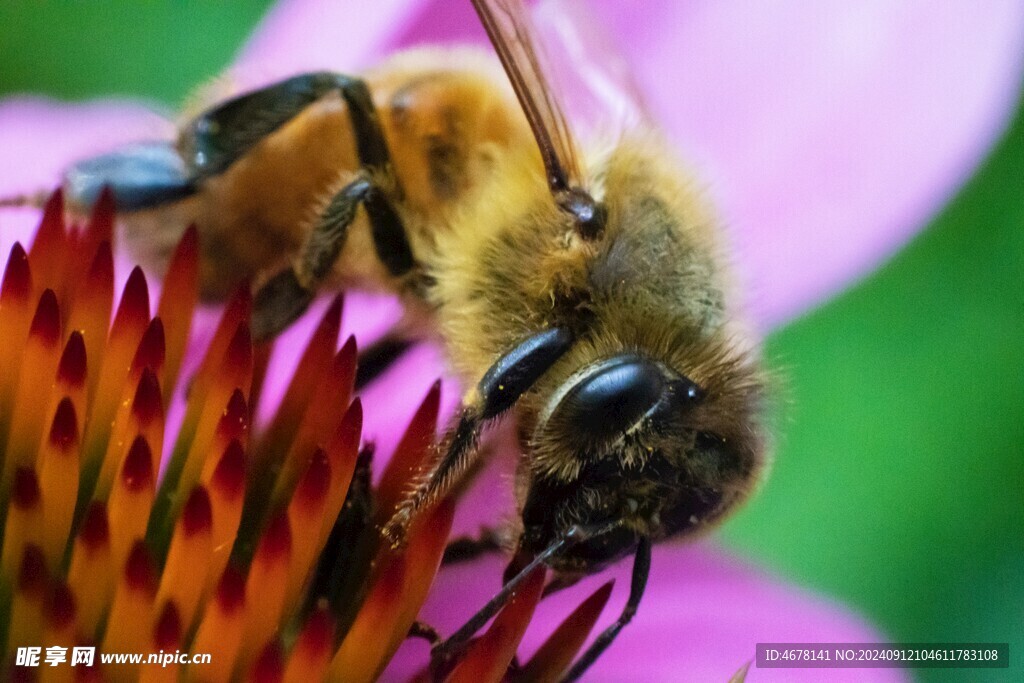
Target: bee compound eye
[613,397]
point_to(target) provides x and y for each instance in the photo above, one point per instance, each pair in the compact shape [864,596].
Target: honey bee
[583,296]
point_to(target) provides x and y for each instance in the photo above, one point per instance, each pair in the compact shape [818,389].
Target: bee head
[632,445]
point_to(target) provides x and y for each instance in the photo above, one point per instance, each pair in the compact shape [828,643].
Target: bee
[585,297]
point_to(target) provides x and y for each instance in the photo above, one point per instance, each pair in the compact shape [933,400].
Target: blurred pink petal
[831,130]
[39,137]
[312,35]
[700,620]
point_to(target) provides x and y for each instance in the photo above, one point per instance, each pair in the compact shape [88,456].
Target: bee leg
[424,631]
[287,295]
[443,652]
[376,358]
[641,570]
[148,174]
[466,549]
[278,303]
[560,583]
[335,575]
[141,176]
[220,136]
[33,200]
[501,386]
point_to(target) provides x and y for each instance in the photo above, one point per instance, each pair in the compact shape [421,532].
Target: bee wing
[600,92]
[509,29]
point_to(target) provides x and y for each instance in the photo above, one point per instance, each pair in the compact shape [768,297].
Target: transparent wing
[592,75]
[510,32]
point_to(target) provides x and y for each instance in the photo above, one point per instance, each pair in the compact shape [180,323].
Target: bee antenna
[641,570]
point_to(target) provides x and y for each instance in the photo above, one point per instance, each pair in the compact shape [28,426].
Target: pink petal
[700,620]
[831,131]
[389,402]
[312,35]
[40,137]
[440,22]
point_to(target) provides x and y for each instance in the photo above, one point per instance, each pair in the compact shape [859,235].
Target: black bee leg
[425,632]
[502,385]
[278,303]
[335,575]
[141,175]
[288,294]
[148,174]
[559,583]
[34,200]
[376,358]
[224,134]
[467,549]
[641,570]
[443,652]
[220,136]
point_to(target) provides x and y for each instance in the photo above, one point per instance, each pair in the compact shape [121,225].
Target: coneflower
[257,547]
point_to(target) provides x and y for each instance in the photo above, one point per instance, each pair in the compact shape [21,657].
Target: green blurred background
[154,49]
[899,483]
